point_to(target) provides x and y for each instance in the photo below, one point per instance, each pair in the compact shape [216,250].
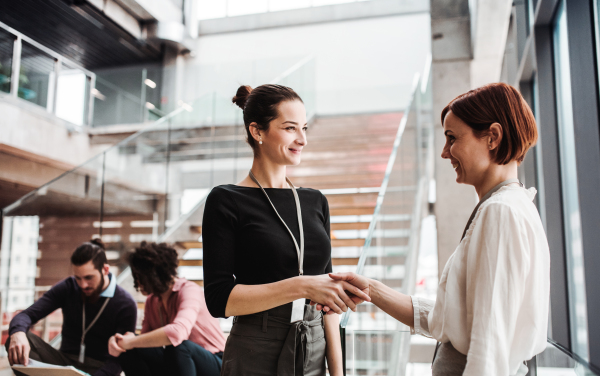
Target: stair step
[190,244]
[345,261]
[190,262]
[358,210]
[350,226]
[347,242]
[196,228]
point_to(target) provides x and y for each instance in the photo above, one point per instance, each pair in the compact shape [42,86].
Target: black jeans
[43,352]
[187,359]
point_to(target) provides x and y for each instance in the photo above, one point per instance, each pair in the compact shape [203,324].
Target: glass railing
[45,78]
[150,186]
[557,361]
[141,94]
[376,343]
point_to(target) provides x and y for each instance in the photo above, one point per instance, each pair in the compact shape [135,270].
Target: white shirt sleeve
[497,269]
[421,309]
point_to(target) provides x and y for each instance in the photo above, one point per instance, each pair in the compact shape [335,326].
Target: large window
[208,9]
[569,184]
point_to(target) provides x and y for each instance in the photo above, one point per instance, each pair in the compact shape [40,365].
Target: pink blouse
[186,317]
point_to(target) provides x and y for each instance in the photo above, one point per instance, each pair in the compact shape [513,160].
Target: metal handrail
[119,144]
[46,50]
[382,190]
[291,69]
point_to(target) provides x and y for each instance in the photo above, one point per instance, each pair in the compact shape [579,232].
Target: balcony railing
[36,74]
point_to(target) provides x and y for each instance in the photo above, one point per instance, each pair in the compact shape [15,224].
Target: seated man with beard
[93,308]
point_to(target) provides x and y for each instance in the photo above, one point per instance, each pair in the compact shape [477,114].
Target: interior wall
[363,65]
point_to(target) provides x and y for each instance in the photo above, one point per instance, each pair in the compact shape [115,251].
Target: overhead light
[150,83]
[97,94]
[150,106]
[186,106]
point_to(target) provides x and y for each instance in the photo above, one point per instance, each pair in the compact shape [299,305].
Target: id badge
[81,353]
[298,310]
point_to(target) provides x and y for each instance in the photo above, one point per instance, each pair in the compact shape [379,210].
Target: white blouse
[494,293]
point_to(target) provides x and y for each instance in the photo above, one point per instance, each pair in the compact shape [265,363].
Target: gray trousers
[43,352]
[266,343]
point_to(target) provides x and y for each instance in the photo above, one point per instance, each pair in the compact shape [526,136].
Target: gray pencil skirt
[266,343]
[448,361]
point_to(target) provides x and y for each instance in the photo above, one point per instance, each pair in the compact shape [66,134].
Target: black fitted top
[245,242]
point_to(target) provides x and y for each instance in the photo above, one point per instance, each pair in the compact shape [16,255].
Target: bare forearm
[392,302]
[248,299]
[334,345]
[155,338]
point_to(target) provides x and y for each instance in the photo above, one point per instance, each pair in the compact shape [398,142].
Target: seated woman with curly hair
[179,336]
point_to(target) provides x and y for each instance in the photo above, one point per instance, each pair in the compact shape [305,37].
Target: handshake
[337,292]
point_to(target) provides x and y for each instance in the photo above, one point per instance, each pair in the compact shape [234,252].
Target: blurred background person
[92,295]
[179,336]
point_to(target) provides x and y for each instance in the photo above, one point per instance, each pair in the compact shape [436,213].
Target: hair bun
[241,96]
[98,242]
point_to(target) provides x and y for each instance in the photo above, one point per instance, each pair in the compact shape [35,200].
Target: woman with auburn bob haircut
[267,249]
[491,311]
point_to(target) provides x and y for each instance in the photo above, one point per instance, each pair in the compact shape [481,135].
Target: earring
[260,142]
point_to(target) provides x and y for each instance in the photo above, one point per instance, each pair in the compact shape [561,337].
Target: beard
[93,297]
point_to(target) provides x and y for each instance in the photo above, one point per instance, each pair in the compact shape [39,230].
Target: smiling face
[283,142]
[470,155]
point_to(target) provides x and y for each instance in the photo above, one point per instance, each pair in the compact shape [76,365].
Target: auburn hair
[503,104]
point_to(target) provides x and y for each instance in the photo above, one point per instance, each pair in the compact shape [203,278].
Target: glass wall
[569,182]
[37,69]
[7,42]
[45,78]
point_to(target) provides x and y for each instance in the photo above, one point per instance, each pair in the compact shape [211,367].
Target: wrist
[301,287]
[374,289]
[128,343]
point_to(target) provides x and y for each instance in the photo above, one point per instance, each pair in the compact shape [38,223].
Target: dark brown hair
[260,105]
[153,266]
[503,104]
[90,251]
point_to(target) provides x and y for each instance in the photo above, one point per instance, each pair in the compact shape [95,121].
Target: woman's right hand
[332,293]
[357,280]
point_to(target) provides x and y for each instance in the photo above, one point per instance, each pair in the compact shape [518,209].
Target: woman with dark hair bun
[267,248]
[491,311]
[179,336]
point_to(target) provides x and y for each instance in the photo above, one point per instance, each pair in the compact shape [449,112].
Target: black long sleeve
[244,241]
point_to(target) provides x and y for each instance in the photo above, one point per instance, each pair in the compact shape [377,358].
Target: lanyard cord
[299,250]
[84,330]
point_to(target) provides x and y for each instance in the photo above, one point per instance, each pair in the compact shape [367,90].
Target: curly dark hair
[153,266]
